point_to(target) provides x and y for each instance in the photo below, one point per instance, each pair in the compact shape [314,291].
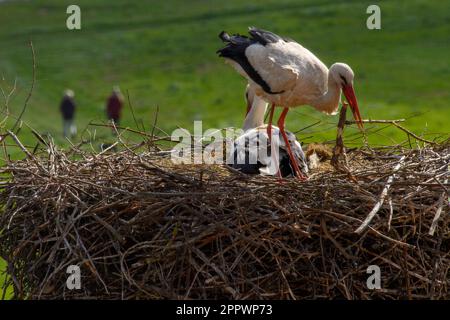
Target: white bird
[254,153]
[284,73]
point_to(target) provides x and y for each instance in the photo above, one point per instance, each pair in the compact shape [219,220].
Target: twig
[380,202]
[435,221]
[307,127]
[21,146]
[152,135]
[8,97]
[132,110]
[348,122]
[413,134]
[391,213]
[339,148]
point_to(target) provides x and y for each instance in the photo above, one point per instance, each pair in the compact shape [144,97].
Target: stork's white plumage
[254,152]
[284,73]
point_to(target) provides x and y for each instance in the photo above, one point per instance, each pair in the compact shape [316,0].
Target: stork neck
[255,116]
[329,102]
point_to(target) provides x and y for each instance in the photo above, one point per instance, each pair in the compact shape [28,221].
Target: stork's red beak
[349,93]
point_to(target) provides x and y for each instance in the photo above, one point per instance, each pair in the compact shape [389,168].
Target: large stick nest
[140,227]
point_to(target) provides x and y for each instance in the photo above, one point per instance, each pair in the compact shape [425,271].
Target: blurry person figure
[68,113]
[114,106]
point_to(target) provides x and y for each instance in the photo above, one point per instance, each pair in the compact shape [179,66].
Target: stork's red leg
[294,163]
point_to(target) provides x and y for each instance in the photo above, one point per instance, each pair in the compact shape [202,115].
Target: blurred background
[162,53]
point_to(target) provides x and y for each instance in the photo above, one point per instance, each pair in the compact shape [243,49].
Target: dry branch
[373,121]
[435,221]
[383,195]
[339,148]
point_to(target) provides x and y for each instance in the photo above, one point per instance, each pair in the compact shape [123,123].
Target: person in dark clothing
[67,109]
[114,106]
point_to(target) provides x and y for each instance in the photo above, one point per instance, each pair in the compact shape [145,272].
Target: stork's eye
[343,79]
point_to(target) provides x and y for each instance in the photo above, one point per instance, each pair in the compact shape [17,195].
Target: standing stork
[284,73]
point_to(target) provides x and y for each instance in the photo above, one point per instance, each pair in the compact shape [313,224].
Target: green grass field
[167,57]
[163,53]
[2,278]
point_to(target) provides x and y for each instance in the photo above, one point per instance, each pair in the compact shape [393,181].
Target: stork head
[343,75]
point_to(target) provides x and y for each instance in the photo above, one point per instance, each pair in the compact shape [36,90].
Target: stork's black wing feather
[235,50]
[264,37]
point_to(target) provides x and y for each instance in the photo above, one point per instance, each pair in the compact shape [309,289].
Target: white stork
[284,73]
[253,152]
